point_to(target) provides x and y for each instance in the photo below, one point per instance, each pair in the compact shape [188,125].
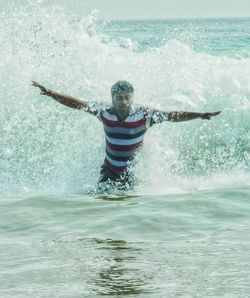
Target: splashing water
[46,147]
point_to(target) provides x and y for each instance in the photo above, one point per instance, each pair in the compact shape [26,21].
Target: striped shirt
[124,138]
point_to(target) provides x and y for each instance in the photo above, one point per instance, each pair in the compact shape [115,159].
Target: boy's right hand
[44,90]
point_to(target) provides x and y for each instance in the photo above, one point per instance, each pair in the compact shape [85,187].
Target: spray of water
[47,147]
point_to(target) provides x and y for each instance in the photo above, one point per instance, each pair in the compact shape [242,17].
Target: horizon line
[176,18]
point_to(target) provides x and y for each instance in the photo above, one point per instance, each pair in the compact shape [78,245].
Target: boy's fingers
[37,85]
[216,113]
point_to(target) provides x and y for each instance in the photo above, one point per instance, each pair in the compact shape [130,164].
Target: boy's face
[122,102]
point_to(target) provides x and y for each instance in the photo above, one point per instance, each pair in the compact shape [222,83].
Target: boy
[124,127]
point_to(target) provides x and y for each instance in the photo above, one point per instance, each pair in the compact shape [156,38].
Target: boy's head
[122,96]
[121,86]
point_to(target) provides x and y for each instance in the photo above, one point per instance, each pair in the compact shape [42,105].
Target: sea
[184,230]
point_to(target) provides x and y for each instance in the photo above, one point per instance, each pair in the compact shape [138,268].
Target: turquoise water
[189,245]
[184,229]
[215,36]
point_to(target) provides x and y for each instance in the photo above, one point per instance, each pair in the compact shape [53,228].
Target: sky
[148,9]
[144,9]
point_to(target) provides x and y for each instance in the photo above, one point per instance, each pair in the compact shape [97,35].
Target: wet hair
[121,86]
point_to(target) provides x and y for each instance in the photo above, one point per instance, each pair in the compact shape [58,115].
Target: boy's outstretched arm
[66,100]
[184,116]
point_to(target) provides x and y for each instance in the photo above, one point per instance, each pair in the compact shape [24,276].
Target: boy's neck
[122,115]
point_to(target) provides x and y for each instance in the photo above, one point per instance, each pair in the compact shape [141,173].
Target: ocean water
[184,230]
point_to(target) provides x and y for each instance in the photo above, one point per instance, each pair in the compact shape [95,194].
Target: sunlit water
[184,229]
